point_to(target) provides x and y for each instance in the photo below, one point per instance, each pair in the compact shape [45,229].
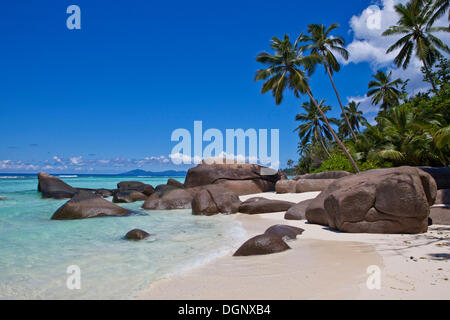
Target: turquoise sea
[35,251]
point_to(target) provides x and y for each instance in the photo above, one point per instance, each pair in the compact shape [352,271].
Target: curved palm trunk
[340,103]
[339,142]
[323,144]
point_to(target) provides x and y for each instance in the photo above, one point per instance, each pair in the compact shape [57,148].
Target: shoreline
[322,264]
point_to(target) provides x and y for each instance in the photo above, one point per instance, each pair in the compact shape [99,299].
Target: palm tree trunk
[323,144]
[340,103]
[339,142]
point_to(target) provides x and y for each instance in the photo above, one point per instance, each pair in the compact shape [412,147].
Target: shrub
[336,162]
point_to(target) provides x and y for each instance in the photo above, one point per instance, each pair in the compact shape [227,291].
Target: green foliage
[371,164]
[383,89]
[336,162]
[410,130]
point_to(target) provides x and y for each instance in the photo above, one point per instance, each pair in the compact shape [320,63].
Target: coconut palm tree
[383,89]
[313,127]
[439,8]
[290,163]
[406,141]
[355,117]
[323,44]
[415,26]
[286,70]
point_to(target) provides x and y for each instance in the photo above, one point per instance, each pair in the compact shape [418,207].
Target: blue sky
[106,98]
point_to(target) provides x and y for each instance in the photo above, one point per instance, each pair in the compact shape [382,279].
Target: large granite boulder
[214,199]
[135,186]
[244,187]
[88,205]
[169,199]
[298,212]
[311,185]
[315,212]
[325,175]
[263,205]
[242,178]
[175,183]
[128,197]
[443,197]
[162,188]
[309,182]
[284,232]
[262,244]
[286,186]
[54,188]
[440,175]
[137,234]
[440,216]
[395,200]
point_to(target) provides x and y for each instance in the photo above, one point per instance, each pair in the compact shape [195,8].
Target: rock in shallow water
[88,205]
[395,200]
[137,234]
[128,197]
[104,193]
[54,188]
[262,244]
[169,199]
[135,186]
[214,199]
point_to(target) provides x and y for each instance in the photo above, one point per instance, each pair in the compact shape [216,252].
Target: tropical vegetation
[409,129]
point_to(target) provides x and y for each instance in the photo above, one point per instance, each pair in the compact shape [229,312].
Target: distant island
[168,173]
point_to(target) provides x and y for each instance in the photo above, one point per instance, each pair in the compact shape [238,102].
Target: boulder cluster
[394,200]
[208,190]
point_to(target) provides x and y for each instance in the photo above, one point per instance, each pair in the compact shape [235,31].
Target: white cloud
[57,159]
[77,163]
[370,46]
[76,160]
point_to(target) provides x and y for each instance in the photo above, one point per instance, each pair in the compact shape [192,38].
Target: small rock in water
[137,234]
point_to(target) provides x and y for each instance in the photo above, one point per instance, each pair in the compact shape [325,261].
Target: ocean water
[35,251]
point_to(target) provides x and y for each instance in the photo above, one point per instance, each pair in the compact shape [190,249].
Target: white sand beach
[323,264]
